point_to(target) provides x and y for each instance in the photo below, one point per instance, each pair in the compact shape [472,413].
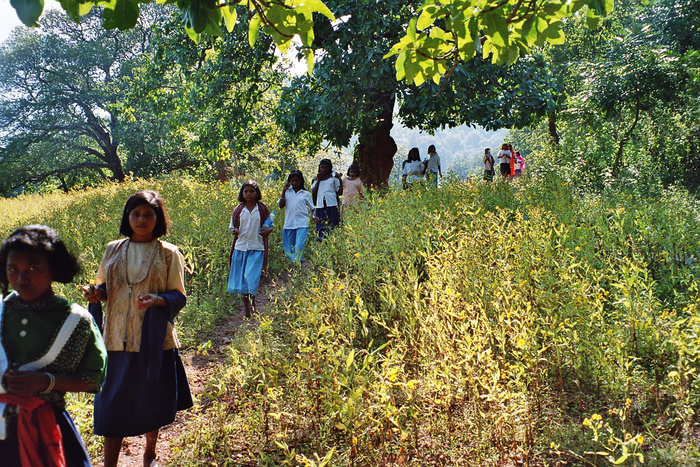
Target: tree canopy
[59,89]
[439,35]
[626,99]
[282,20]
[354,90]
[445,32]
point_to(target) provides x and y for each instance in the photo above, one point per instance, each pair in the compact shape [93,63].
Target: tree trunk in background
[375,156]
[553,134]
[114,163]
[375,150]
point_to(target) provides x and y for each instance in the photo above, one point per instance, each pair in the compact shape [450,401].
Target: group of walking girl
[128,355]
[510,163]
[251,227]
[414,169]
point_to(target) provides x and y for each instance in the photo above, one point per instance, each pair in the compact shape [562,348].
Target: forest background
[552,321]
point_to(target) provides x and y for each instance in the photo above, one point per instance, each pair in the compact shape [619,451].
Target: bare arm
[340,180]
[33,382]
[283,201]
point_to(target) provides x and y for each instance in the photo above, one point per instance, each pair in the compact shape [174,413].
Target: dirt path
[198,368]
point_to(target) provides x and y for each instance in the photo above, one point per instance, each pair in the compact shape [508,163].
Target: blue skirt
[73,447]
[131,403]
[329,218]
[246,268]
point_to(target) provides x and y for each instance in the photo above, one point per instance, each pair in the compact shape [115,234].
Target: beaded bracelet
[52,383]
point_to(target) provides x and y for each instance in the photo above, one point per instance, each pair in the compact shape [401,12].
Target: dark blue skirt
[73,447]
[329,218]
[131,403]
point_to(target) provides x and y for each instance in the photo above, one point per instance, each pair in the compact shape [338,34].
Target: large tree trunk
[375,152]
[115,164]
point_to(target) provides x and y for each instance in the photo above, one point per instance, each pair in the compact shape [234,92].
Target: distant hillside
[460,148]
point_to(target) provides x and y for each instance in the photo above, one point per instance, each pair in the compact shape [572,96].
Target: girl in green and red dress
[48,347]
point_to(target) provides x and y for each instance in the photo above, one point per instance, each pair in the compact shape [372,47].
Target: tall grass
[477,324]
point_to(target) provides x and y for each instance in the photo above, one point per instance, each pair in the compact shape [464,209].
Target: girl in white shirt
[413,169]
[249,250]
[298,203]
[504,160]
[325,191]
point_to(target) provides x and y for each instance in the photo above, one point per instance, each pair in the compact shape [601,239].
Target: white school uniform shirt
[328,190]
[433,162]
[297,208]
[249,232]
[412,170]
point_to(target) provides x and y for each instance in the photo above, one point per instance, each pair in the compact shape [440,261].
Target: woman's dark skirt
[130,404]
[73,448]
[329,218]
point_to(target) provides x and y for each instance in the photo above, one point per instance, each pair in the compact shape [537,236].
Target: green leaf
[400,66]
[350,359]
[396,49]
[592,21]
[319,7]
[121,14]
[84,8]
[28,11]
[253,27]
[512,53]
[72,7]
[411,30]
[230,17]
[427,17]
[601,7]
[554,33]
[410,70]
[309,53]
[213,26]
[496,29]
[192,35]
[529,31]
[419,78]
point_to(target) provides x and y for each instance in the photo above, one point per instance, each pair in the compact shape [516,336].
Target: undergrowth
[477,324]
[480,324]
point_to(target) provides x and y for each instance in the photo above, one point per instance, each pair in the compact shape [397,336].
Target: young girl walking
[141,279]
[353,189]
[48,347]
[249,249]
[325,191]
[298,203]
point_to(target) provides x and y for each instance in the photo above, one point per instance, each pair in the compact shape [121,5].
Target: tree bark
[617,162]
[115,164]
[553,133]
[375,157]
[375,151]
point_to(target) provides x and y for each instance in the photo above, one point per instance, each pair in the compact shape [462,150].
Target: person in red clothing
[48,347]
[511,161]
